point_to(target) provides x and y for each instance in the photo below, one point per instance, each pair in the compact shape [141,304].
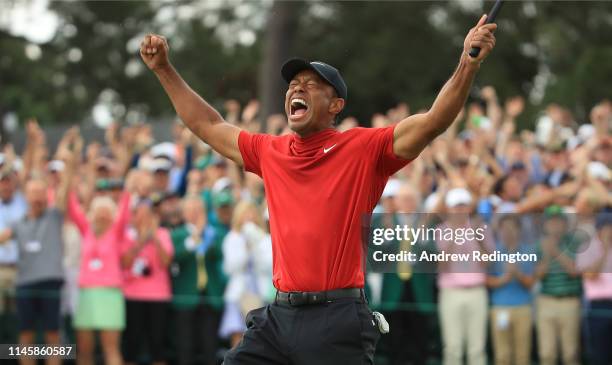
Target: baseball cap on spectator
[481,122]
[599,171]
[210,159]
[56,166]
[328,73]
[557,147]
[585,132]
[203,161]
[391,189]
[160,164]
[222,198]
[223,183]
[553,211]
[165,150]
[458,196]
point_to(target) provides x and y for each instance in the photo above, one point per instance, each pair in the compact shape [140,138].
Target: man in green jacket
[185,297]
[211,280]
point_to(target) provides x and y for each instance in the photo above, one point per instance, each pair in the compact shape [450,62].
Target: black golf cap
[327,73]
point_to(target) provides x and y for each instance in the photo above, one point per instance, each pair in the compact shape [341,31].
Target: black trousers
[38,305]
[144,330]
[195,336]
[185,333]
[208,320]
[407,324]
[341,332]
[600,331]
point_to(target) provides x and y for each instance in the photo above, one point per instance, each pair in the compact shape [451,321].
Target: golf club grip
[475,51]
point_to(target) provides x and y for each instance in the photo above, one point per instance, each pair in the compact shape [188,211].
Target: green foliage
[389,52]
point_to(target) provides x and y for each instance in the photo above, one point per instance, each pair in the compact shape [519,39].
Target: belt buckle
[317,297]
[297,298]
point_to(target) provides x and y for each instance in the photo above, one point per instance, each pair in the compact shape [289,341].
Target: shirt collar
[314,142]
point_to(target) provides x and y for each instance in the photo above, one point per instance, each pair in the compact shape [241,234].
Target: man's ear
[336,106]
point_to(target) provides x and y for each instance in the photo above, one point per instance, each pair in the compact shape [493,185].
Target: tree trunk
[280,31]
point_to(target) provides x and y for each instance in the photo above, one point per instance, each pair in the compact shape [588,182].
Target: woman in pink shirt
[100,301]
[146,255]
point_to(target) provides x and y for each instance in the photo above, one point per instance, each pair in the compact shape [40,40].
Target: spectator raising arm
[201,118]
[35,151]
[119,149]
[74,146]
[414,133]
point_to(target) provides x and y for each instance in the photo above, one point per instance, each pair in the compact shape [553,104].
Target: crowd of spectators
[154,251]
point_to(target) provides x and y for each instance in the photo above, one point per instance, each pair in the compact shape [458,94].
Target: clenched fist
[154,51]
[480,36]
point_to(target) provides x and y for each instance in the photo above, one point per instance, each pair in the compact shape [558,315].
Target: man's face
[160,180]
[170,211]
[310,103]
[512,189]
[555,226]
[406,201]
[54,178]
[559,159]
[7,187]
[36,196]
[193,211]
[224,214]
[103,217]
[515,150]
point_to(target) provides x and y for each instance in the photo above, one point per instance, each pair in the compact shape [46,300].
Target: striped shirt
[557,282]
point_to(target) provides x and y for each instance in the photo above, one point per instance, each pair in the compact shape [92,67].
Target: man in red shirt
[319,184]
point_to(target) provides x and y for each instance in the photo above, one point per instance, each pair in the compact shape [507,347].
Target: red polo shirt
[318,189]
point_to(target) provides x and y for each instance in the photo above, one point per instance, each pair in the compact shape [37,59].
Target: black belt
[299,298]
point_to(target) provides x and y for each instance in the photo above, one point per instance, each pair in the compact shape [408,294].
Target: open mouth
[298,107]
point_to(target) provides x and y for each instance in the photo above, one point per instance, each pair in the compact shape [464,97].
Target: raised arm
[414,133]
[75,211]
[73,152]
[201,118]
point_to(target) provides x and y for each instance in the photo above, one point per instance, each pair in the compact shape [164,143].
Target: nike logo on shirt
[325,150]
